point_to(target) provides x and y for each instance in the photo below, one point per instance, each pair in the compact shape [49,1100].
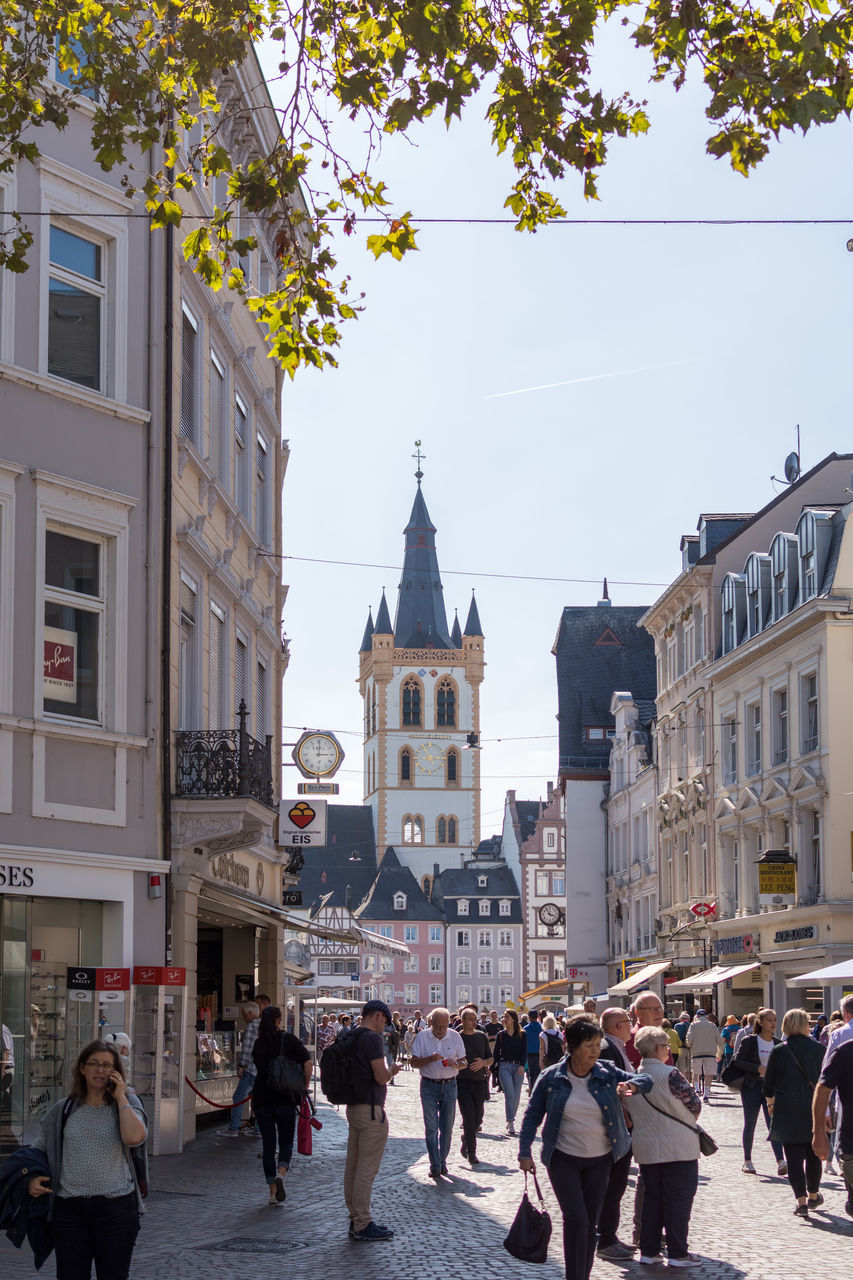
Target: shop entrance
[39,939]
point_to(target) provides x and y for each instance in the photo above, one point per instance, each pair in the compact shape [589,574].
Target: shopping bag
[304,1125]
[531,1230]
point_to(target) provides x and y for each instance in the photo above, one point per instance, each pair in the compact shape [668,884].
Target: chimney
[348,897]
[550,792]
[436,870]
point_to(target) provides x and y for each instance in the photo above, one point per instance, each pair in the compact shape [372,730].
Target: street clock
[318,755]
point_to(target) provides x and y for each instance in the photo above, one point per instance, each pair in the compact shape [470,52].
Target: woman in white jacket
[666,1147]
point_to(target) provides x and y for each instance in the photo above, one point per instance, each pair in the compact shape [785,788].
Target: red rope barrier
[223,1106]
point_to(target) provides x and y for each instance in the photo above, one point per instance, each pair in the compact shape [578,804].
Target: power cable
[459,573]
[498,222]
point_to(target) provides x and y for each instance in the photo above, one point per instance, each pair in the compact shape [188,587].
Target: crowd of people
[606,1089]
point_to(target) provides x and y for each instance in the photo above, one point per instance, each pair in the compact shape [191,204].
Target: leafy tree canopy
[158,78]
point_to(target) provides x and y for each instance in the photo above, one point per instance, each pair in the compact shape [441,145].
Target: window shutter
[189,341]
[217,638]
[240,673]
[261,717]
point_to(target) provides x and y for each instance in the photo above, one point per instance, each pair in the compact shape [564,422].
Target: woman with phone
[95,1197]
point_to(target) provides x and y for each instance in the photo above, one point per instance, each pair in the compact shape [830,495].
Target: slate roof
[328,868]
[383,619]
[367,638]
[456,883]
[590,668]
[392,878]
[473,626]
[456,633]
[421,621]
[527,812]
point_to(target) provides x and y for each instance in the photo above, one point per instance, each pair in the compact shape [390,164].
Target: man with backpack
[353,1072]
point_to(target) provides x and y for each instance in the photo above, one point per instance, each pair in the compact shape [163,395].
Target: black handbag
[733,1077]
[530,1232]
[287,1077]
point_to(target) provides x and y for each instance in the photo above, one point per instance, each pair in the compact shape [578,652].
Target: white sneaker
[647,1261]
[748,1167]
[690,1260]
[782,1169]
[228,1133]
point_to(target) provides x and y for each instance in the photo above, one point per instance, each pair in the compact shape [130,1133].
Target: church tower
[420,682]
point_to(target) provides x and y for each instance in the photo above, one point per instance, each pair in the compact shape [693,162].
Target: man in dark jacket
[23,1216]
[616,1026]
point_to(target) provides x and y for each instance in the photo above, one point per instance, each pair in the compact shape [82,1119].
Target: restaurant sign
[777,883]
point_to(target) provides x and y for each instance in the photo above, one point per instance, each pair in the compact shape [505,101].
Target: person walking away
[616,1029]
[790,1081]
[510,1057]
[550,1042]
[245,1070]
[95,1197]
[674,1041]
[666,1145]
[728,1033]
[705,1043]
[438,1053]
[471,1083]
[276,1112]
[752,1058]
[367,1122]
[747,1028]
[391,1041]
[579,1100]
[532,1031]
[836,1076]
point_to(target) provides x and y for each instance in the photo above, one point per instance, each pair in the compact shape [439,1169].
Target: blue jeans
[511,1076]
[438,1100]
[245,1085]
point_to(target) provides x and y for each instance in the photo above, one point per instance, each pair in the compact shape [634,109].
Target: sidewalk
[208,1213]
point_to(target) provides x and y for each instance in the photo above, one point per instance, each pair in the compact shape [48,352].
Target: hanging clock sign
[318,754]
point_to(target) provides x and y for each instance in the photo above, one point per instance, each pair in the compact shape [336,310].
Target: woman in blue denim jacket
[580,1101]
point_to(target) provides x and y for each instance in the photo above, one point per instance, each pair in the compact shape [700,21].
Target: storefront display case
[47,1049]
[97,1008]
[158,1002]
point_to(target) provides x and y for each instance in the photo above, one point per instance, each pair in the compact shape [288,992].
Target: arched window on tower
[413,829]
[451,830]
[451,768]
[406,767]
[412,701]
[373,711]
[441,831]
[445,704]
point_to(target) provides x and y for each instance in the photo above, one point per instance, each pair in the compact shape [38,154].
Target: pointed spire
[605,601]
[383,618]
[421,621]
[473,626]
[456,633]
[366,642]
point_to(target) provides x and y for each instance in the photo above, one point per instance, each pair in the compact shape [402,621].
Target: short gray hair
[251,1010]
[847,1005]
[647,1039]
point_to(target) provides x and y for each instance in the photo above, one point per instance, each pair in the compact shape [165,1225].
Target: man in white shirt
[438,1052]
[845,1032]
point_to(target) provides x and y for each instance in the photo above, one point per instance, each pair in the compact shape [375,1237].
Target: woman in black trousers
[276,1112]
[471,1083]
[752,1058]
[789,1086]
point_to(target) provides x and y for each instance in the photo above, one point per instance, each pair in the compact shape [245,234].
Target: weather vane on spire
[419,458]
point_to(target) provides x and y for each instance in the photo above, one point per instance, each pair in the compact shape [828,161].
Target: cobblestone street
[208,1213]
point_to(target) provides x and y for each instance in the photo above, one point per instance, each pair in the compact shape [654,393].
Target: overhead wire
[458,573]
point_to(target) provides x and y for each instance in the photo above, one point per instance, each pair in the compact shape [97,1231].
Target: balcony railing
[219,763]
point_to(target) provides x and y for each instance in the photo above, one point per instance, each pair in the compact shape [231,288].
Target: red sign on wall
[112,979]
[151,975]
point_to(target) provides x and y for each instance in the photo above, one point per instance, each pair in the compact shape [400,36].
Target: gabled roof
[589,672]
[421,621]
[347,858]
[393,878]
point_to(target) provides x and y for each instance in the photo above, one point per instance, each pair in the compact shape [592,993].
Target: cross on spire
[419,458]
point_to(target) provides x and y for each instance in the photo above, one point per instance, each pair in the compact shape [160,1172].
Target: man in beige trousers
[368,1123]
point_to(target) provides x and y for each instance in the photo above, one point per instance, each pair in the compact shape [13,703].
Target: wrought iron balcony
[216,763]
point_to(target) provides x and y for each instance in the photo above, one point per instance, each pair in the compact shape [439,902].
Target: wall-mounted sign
[577,975]
[60,664]
[226,868]
[83,978]
[704,908]
[159,976]
[805,933]
[15,876]
[731,946]
[302,823]
[777,879]
[291,898]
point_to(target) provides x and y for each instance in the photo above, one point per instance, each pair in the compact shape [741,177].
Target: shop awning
[640,978]
[710,978]
[268,912]
[377,942]
[833,973]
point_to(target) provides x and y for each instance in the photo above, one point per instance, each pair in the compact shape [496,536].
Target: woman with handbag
[275,1109]
[580,1100]
[751,1058]
[789,1084]
[666,1143]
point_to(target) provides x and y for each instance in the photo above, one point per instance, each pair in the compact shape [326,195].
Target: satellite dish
[792,468]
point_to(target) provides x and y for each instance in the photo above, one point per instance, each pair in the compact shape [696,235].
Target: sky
[581,395]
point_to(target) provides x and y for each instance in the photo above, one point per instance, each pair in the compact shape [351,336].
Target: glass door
[19,1024]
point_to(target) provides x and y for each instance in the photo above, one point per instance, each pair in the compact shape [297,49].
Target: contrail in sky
[595,377]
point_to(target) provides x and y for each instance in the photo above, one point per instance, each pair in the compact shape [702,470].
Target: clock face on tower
[430,757]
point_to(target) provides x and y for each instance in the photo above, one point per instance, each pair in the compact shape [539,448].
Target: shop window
[73,625]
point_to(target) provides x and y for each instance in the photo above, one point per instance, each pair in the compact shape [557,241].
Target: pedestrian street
[208,1213]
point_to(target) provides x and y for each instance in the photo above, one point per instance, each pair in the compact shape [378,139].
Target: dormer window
[505,907]
[482,881]
[784,552]
[814,533]
[757,574]
[485,907]
[733,593]
[399,902]
[463,906]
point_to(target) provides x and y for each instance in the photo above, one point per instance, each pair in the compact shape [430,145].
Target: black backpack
[553,1047]
[346,1079]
